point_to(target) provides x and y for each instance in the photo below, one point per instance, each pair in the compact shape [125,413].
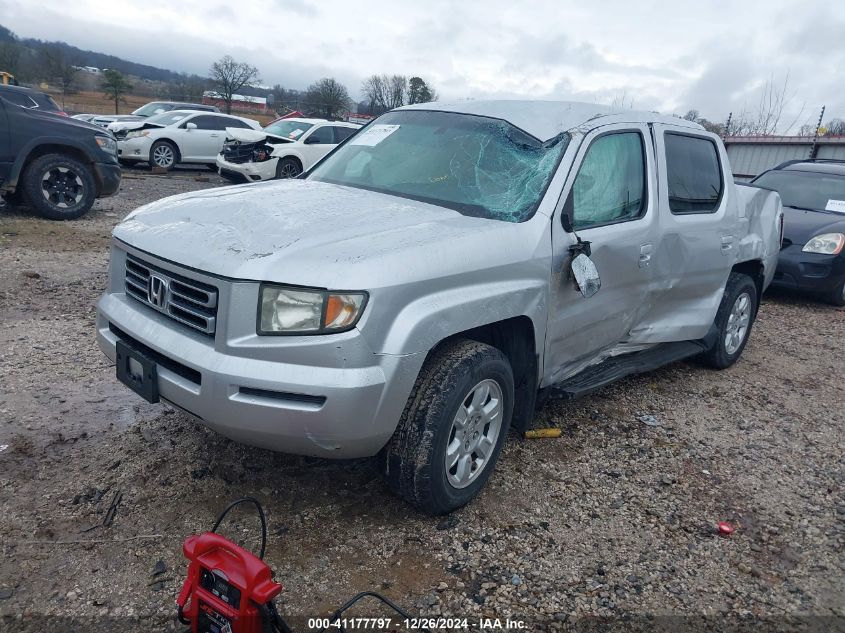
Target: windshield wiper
[792,206]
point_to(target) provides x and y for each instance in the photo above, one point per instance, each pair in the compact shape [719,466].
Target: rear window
[694,174]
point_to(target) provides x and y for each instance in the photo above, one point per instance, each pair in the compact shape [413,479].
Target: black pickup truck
[56,164]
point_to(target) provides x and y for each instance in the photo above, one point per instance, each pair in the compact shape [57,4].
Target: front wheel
[163,154]
[59,187]
[288,168]
[452,429]
[734,319]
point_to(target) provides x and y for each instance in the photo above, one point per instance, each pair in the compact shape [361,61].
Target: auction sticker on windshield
[374,135]
[835,205]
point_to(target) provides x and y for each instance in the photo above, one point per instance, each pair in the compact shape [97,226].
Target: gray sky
[669,56]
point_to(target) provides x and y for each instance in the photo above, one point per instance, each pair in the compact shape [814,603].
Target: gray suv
[424,287]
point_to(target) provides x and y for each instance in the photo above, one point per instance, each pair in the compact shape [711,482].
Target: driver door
[610,199]
[205,141]
[316,145]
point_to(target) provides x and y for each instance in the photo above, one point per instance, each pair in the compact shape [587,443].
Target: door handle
[727,243]
[214,135]
[645,255]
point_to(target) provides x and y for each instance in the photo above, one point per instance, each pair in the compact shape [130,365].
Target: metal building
[752,155]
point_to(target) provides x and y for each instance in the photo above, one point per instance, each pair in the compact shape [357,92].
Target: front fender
[432,317]
[35,143]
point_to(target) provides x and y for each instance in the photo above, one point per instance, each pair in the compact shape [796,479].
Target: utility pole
[814,147]
[727,132]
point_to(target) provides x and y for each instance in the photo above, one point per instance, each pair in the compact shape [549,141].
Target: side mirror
[190,126]
[586,275]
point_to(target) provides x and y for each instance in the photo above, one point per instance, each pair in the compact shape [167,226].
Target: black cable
[364,594]
[254,501]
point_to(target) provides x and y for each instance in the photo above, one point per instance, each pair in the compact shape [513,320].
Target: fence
[752,155]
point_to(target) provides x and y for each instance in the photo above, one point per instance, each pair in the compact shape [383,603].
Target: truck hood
[800,226]
[318,234]
[253,136]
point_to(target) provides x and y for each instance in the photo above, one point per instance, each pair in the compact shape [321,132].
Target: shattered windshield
[288,129]
[475,165]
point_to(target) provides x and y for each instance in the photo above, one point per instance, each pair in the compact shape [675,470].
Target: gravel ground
[614,522]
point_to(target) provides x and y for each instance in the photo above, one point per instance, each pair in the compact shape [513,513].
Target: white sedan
[283,149]
[180,136]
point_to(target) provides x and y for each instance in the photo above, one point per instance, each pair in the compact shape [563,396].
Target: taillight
[61,113]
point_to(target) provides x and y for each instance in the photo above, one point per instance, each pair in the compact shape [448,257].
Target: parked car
[58,165]
[146,111]
[283,149]
[813,253]
[31,99]
[180,136]
[418,291]
[122,124]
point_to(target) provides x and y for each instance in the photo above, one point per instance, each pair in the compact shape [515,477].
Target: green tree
[329,97]
[115,86]
[419,91]
[229,76]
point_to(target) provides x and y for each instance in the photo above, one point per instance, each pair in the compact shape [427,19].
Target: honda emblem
[157,291]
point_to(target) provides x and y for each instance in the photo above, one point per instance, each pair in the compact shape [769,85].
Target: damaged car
[179,136]
[283,149]
[423,289]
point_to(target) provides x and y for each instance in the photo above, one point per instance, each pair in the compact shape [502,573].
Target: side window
[19,99]
[611,184]
[694,175]
[206,122]
[322,135]
[343,133]
[233,123]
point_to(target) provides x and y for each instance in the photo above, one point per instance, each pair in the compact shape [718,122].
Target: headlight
[107,144]
[137,133]
[283,310]
[826,243]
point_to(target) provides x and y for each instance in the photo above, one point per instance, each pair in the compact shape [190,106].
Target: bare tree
[836,127]
[59,69]
[385,92]
[229,76]
[10,55]
[767,118]
[328,96]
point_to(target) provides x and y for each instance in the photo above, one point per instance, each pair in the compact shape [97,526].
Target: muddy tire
[59,187]
[288,168]
[734,319]
[453,427]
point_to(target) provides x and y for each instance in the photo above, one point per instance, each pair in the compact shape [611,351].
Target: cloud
[712,57]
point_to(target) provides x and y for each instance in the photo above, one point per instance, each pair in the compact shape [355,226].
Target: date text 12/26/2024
[417,624]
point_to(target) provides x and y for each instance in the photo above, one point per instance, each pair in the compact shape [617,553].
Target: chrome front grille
[188,301]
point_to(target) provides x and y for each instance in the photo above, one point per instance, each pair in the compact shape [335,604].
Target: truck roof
[547,119]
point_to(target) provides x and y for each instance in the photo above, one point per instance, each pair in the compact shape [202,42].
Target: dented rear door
[698,238]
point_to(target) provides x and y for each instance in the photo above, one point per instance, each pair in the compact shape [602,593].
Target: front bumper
[325,396]
[107,176]
[137,148]
[811,272]
[251,172]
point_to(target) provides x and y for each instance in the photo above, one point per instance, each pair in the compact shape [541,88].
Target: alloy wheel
[737,326]
[474,433]
[62,187]
[163,156]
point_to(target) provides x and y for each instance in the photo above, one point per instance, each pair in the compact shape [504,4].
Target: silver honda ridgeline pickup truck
[428,284]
